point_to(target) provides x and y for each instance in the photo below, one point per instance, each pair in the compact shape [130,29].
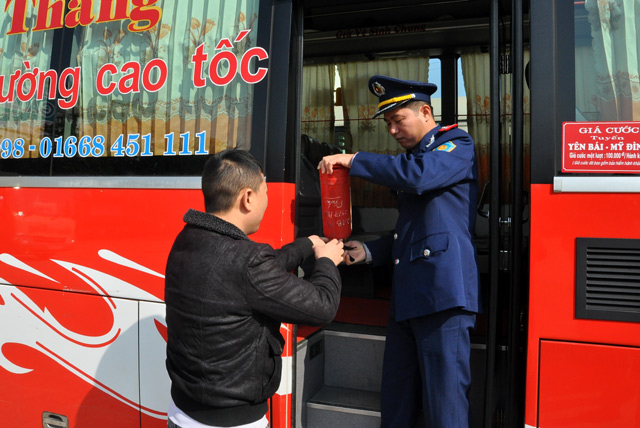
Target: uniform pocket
[429,246]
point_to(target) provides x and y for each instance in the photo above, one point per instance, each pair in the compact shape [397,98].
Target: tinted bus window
[119,87]
[607,85]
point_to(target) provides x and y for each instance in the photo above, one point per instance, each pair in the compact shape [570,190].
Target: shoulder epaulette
[448,128]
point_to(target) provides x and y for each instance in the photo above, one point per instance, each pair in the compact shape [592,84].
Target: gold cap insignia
[378,89]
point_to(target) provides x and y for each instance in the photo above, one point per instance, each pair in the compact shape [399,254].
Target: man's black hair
[415,105]
[225,174]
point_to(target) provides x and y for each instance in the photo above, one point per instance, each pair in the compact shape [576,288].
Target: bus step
[338,376]
[353,357]
[333,406]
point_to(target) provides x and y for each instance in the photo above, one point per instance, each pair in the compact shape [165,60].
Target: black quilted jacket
[226,297]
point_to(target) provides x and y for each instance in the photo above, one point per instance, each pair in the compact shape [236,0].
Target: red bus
[108,110]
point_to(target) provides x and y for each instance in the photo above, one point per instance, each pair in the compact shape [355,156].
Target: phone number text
[129,145]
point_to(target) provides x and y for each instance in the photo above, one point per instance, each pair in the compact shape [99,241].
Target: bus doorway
[476,56]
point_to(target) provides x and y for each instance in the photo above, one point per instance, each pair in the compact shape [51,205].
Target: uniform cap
[393,93]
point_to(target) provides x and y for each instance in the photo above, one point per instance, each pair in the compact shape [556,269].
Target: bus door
[477,58]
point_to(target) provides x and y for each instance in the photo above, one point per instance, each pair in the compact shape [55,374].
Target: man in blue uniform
[435,277]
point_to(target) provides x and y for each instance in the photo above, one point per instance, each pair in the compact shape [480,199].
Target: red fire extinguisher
[335,192]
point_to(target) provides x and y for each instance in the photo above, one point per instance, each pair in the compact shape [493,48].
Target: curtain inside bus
[607,60]
[358,106]
[371,135]
[475,70]
[317,101]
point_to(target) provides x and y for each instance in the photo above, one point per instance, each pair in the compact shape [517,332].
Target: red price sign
[601,147]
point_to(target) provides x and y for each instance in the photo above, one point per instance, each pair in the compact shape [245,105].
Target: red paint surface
[557,219]
[589,386]
[73,225]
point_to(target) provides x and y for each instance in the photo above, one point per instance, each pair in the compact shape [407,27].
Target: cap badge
[378,89]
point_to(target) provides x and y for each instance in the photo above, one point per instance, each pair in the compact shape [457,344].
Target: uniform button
[395,236]
[426,252]
[396,261]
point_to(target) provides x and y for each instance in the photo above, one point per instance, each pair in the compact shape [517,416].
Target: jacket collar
[215,224]
[426,142]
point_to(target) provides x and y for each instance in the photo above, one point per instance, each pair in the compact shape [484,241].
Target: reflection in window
[214,116]
[179,106]
[24,119]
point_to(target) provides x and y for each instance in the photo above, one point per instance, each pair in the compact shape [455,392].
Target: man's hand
[354,252]
[332,249]
[317,240]
[326,164]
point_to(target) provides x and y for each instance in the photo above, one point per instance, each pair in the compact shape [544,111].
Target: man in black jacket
[226,297]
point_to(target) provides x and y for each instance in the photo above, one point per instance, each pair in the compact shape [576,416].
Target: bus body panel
[557,219]
[49,232]
[81,284]
[586,385]
[53,366]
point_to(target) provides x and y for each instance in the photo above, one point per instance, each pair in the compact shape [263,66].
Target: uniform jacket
[226,297]
[432,245]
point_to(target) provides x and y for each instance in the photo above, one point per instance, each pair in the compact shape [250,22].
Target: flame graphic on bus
[99,360]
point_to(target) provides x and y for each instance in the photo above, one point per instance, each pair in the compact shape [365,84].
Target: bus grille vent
[608,279]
